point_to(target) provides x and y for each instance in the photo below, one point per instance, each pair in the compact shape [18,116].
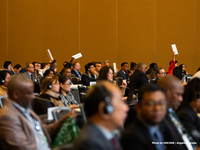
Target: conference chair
[74,80]
[60,112]
[2,100]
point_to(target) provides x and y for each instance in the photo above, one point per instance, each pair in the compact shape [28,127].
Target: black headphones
[2,81]
[108,108]
[49,85]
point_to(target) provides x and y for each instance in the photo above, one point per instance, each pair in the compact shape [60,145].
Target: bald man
[21,128]
[138,79]
[173,89]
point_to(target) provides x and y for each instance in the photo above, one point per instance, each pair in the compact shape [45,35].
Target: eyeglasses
[152,104]
[163,73]
[67,84]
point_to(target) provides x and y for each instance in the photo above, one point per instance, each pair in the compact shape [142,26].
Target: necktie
[115,143]
[158,138]
[32,77]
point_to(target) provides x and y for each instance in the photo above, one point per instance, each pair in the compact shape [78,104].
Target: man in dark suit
[138,79]
[75,71]
[88,76]
[145,133]
[174,89]
[106,112]
[123,72]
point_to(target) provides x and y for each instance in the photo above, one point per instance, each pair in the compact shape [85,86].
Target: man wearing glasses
[160,72]
[145,132]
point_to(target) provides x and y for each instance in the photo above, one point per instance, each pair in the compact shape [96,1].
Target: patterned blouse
[69,99]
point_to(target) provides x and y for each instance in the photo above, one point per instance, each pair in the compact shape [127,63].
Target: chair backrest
[82,92]
[74,80]
[83,112]
[75,93]
[2,100]
[119,81]
[60,112]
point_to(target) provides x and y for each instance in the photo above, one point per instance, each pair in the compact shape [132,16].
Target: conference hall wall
[118,30]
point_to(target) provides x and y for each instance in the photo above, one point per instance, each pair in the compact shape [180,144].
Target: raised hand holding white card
[174,48]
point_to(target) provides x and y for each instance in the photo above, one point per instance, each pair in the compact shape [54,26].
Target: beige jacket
[17,134]
[3,90]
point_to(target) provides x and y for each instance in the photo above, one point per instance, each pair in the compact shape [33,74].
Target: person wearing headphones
[88,76]
[50,87]
[4,78]
[105,112]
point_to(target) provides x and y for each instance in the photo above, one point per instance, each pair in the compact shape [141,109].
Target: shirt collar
[108,135]
[22,109]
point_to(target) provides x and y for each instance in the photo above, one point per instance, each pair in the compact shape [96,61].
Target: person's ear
[16,94]
[61,85]
[101,111]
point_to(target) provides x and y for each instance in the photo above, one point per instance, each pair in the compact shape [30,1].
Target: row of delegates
[20,127]
[58,94]
[4,79]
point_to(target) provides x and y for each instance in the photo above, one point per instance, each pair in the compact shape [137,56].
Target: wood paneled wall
[118,30]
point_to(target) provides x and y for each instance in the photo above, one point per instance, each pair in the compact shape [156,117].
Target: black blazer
[190,120]
[124,76]
[91,138]
[86,79]
[138,79]
[137,137]
[74,72]
[172,134]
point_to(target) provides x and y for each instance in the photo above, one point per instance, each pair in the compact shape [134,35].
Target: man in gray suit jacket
[106,112]
[29,71]
[21,128]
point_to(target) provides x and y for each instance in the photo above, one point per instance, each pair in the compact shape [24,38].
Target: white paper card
[174,49]
[93,83]
[49,112]
[79,55]
[114,67]
[77,109]
[51,57]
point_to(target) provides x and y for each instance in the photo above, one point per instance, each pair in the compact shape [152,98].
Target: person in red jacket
[173,64]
